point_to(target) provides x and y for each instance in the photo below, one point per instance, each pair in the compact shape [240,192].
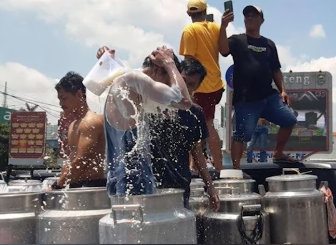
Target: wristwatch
[55,186]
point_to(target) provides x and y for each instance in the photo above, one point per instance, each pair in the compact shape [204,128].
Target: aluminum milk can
[18,212]
[158,218]
[72,216]
[296,208]
[240,219]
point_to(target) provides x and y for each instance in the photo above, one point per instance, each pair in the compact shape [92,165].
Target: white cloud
[317,31]
[28,85]
[134,28]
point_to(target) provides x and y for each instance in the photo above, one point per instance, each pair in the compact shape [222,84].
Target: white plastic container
[103,73]
[231,174]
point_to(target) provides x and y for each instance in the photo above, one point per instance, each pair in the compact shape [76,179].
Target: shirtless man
[86,141]
[132,97]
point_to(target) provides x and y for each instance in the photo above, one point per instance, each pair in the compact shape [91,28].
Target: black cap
[253,8]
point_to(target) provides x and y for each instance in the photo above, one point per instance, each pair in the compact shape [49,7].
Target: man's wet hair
[72,82]
[148,63]
[193,67]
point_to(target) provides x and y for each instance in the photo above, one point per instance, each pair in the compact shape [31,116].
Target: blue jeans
[259,136]
[272,109]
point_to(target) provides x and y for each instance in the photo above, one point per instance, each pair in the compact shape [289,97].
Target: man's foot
[285,159]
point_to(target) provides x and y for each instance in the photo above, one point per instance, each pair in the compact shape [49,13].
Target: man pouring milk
[131,97]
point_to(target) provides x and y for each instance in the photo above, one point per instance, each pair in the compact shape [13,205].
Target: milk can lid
[290,177]
[234,181]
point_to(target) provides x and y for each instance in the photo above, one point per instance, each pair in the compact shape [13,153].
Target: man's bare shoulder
[92,121]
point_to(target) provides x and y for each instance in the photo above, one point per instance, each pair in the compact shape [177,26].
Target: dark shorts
[89,183]
[273,109]
[208,102]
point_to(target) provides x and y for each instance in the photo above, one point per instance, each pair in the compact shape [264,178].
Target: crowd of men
[157,147]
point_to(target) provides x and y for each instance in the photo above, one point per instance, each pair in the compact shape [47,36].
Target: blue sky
[43,39]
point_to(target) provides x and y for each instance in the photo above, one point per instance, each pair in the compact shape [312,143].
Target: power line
[26,95]
[30,101]
[34,102]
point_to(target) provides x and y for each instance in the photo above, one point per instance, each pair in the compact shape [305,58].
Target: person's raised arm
[223,42]
[164,57]
[102,50]
[161,93]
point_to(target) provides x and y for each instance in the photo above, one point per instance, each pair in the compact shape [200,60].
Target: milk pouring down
[103,73]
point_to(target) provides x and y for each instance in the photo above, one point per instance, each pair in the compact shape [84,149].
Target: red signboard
[27,134]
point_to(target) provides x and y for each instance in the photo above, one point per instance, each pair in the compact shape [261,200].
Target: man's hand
[64,175]
[102,50]
[285,98]
[213,199]
[227,17]
[54,186]
[162,56]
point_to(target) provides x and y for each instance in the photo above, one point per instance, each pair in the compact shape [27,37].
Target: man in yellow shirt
[200,41]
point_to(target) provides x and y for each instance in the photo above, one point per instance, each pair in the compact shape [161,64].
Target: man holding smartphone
[256,65]
[200,41]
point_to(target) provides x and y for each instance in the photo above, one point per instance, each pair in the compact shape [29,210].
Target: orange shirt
[200,40]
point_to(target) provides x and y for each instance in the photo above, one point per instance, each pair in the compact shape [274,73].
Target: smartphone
[210,17]
[228,6]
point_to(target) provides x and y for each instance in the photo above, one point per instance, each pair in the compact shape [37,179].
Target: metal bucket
[150,219]
[18,213]
[296,208]
[72,216]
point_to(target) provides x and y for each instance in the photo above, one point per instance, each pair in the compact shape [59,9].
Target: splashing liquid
[128,141]
[129,137]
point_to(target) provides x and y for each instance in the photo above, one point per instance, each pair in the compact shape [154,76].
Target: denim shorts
[273,109]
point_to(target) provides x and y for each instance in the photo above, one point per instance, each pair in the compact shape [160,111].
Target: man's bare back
[87,148]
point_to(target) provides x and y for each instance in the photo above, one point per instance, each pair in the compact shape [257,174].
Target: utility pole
[5,97]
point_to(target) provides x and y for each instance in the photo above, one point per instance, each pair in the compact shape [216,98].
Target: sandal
[286,159]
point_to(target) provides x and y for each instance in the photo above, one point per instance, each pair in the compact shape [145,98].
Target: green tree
[4,144]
